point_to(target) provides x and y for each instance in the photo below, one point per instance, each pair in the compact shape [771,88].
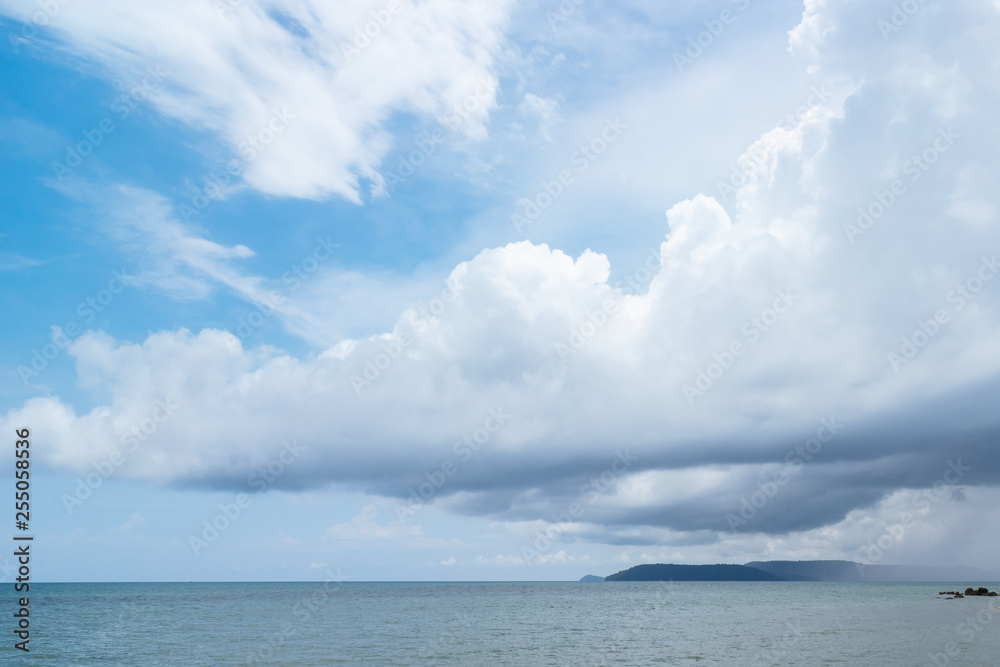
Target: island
[802,570]
[672,572]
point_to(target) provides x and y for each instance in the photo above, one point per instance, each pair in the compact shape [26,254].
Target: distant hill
[799,570]
[671,572]
[845,570]
[592,577]
[810,570]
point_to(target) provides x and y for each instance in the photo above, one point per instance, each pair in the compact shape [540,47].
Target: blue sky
[615,282]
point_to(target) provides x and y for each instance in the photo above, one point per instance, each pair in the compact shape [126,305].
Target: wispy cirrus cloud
[341,71]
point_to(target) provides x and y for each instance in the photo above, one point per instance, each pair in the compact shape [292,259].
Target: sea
[509,623]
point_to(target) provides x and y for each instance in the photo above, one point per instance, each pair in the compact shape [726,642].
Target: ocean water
[690,623]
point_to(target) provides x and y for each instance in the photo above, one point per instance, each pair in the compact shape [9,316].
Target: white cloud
[500,559]
[545,110]
[135,520]
[174,256]
[231,72]
[284,538]
[309,297]
[511,560]
[364,527]
[12,261]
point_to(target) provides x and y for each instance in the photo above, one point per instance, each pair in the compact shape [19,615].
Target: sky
[484,290]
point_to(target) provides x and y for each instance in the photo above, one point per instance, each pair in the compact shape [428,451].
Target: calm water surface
[507,624]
